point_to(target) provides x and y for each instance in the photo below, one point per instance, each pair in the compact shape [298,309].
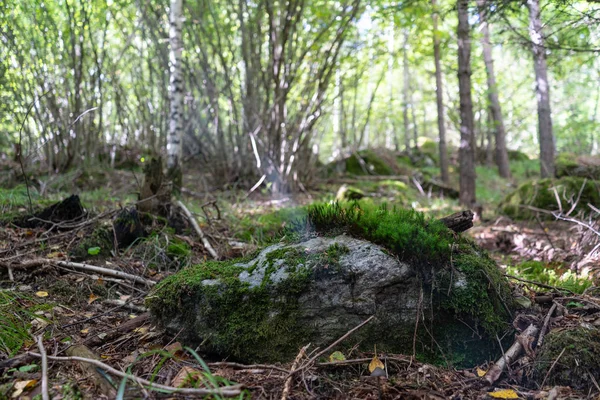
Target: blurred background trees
[272,89]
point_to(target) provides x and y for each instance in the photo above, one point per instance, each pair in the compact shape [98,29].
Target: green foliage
[94,251]
[551,195]
[550,274]
[264,228]
[16,313]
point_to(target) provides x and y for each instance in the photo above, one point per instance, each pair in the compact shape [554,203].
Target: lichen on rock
[335,268]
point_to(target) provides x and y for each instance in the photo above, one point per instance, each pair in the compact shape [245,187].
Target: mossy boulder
[536,196]
[516,155]
[339,266]
[367,162]
[578,366]
[568,164]
[346,192]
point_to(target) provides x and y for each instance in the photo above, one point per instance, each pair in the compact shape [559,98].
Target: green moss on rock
[541,195]
[249,309]
[373,164]
[573,367]
[568,164]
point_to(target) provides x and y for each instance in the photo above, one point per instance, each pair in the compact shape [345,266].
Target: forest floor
[48,304]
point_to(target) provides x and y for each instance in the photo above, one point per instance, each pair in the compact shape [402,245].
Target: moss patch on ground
[580,359]
[367,162]
[550,195]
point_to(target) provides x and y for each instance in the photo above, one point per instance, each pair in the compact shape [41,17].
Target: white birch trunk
[175,87]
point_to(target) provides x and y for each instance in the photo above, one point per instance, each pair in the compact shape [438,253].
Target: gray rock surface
[289,295]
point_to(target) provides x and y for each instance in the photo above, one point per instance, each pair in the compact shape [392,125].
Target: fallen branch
[40,345]
[84,267]
[545,326]
[229,391]
[288,382]
[194,223]
[511,354]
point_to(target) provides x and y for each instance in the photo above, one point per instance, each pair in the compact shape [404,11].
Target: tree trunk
[466,152]
[501,152]
[542,88]
[175,95]
[406,93]
[439,95]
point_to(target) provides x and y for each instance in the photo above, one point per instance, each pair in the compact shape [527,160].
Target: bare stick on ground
[84,267]
[40,345]
[288,382]
[229,391]
[194,223]
[545,326]
[511,354]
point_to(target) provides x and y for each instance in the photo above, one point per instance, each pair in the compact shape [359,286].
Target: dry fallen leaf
[92,298]
[375,363]
[41,293]
[21,386]
[185,376]
[174,348]
[480,372]
[504,394]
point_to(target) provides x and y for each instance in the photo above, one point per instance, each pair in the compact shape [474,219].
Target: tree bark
[466,151]
[406,93]
[439,95]
[542,88]
[175,95]
[501,152]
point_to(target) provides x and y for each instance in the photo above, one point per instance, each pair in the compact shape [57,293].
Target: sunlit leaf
[504,394]
[337,356]
[41,293]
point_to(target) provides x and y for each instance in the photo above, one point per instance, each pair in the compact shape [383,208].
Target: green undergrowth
[17,311]
[553,274]
[265,228]
[541,197]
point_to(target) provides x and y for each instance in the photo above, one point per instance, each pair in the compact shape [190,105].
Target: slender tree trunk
[414,122]
[489,152]
[542,88]
[439,96]
[501,152]
[175,96]
[466,152]
[406,92]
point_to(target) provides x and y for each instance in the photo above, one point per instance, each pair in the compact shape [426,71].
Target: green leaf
[93,251]
[28,368]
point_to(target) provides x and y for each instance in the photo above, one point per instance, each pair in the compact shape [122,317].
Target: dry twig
[194,223]
[228,391]
[288,382]
[44,357]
